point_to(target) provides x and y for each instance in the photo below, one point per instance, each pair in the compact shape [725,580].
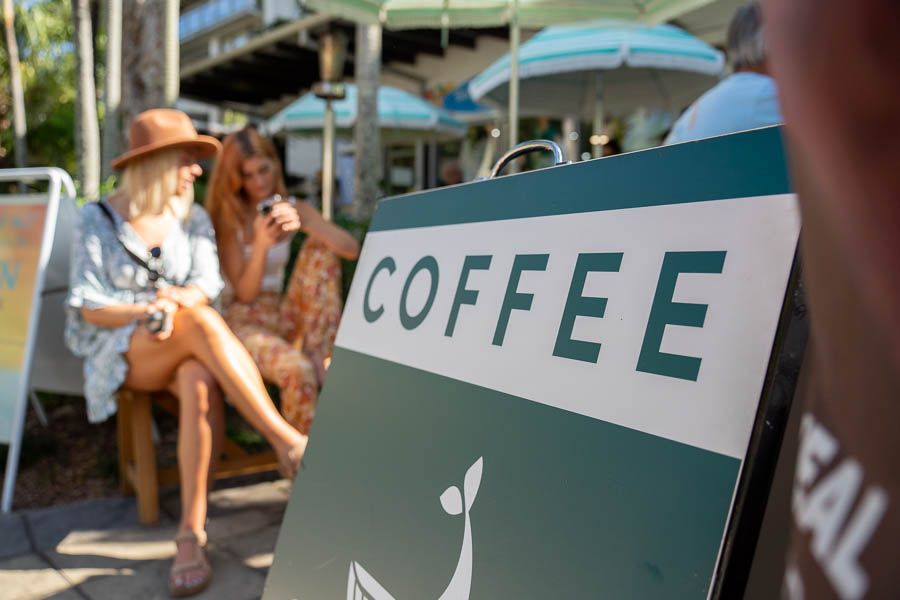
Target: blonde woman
[144,270]
[289,335]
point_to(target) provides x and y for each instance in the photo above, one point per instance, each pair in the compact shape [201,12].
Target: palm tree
[365,134]
[87,130]
[112,136]
[143,57]
[15,76]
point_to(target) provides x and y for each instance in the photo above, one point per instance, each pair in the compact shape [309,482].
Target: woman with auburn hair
[144,270]
[289,335]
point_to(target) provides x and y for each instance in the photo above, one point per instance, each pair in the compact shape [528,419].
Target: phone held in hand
[265,207]
[159,321]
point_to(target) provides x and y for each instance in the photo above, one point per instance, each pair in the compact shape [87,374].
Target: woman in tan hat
[144,271]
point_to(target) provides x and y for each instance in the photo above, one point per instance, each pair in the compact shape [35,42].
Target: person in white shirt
[746,99]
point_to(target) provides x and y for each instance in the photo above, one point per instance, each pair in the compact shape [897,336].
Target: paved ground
[96,550]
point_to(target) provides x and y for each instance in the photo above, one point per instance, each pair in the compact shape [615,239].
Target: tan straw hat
[160,128]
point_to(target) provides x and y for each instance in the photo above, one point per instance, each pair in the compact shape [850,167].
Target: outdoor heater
[332,53]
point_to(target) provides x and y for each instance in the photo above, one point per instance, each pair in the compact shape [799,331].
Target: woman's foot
[289,461]
[191,572]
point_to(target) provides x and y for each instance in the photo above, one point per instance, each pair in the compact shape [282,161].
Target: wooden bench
[138,471]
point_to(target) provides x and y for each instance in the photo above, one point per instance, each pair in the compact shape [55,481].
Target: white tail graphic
[362,586]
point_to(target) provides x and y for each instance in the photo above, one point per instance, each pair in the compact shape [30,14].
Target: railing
[210,14]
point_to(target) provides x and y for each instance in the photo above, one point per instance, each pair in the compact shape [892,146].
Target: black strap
[153,274]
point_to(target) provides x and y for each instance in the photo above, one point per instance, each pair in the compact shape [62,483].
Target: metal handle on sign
[527,148]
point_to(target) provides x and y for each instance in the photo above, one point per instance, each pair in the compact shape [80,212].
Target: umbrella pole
[597,149]
[514,75]
[328,161]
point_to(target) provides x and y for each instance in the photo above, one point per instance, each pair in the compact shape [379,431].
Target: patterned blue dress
[102,274]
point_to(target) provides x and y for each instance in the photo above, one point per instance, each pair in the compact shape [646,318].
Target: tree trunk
[15,77]
[112,130]
[367,170]
[143,82]
[87,130]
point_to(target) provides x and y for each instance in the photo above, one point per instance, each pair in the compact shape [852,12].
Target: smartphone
[265,207]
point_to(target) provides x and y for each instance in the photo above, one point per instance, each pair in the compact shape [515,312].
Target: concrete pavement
[97,550]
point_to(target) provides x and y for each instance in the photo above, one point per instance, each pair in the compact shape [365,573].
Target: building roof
[282,62]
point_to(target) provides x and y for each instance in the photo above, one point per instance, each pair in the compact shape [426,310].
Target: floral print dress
[291,336]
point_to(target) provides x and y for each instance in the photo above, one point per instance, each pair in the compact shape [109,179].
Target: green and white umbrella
[444,14]
[401,116]
[584,70]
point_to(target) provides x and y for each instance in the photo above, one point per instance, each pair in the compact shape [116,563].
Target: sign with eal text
[545,385]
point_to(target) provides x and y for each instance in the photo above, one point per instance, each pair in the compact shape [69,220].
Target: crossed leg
[201,352]
[200,334]
[200,422]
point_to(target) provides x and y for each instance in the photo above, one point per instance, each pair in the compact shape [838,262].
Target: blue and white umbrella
[460,105]
[582,70]
[401,116]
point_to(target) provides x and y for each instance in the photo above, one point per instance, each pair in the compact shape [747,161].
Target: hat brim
[203,145]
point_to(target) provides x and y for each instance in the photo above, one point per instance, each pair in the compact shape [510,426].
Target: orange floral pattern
[291,336]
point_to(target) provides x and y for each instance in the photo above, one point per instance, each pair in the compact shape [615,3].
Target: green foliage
[44,35]
[246,438]
[358,229]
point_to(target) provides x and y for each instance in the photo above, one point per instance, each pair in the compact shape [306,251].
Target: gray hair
[746,46]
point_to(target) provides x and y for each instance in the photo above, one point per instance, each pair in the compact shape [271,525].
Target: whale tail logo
[362,586]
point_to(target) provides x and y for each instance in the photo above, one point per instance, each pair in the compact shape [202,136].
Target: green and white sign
[544,385]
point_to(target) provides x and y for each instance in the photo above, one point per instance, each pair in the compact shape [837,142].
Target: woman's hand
[187,297]
[281,223]
[167,306]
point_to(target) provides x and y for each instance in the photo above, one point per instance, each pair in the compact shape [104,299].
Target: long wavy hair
[226,194]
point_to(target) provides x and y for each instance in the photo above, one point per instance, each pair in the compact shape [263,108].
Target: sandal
[289,464]
[180,584]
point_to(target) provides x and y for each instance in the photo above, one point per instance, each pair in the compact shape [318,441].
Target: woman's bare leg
[192,385]
[196,390]
[216,419]
[200,333]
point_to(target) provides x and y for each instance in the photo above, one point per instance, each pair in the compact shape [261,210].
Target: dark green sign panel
[544,385]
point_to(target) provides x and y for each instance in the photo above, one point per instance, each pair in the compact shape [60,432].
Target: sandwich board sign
[546,385]
[27,227]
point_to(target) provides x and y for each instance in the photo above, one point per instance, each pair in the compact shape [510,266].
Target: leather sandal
[180,584]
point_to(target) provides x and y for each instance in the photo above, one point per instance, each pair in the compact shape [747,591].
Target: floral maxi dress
[291,336]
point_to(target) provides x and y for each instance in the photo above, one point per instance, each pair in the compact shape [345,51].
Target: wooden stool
[138,472]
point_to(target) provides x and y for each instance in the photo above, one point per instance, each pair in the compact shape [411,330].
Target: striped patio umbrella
[584,70]
[402,117]
[444,14]
[461,106]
